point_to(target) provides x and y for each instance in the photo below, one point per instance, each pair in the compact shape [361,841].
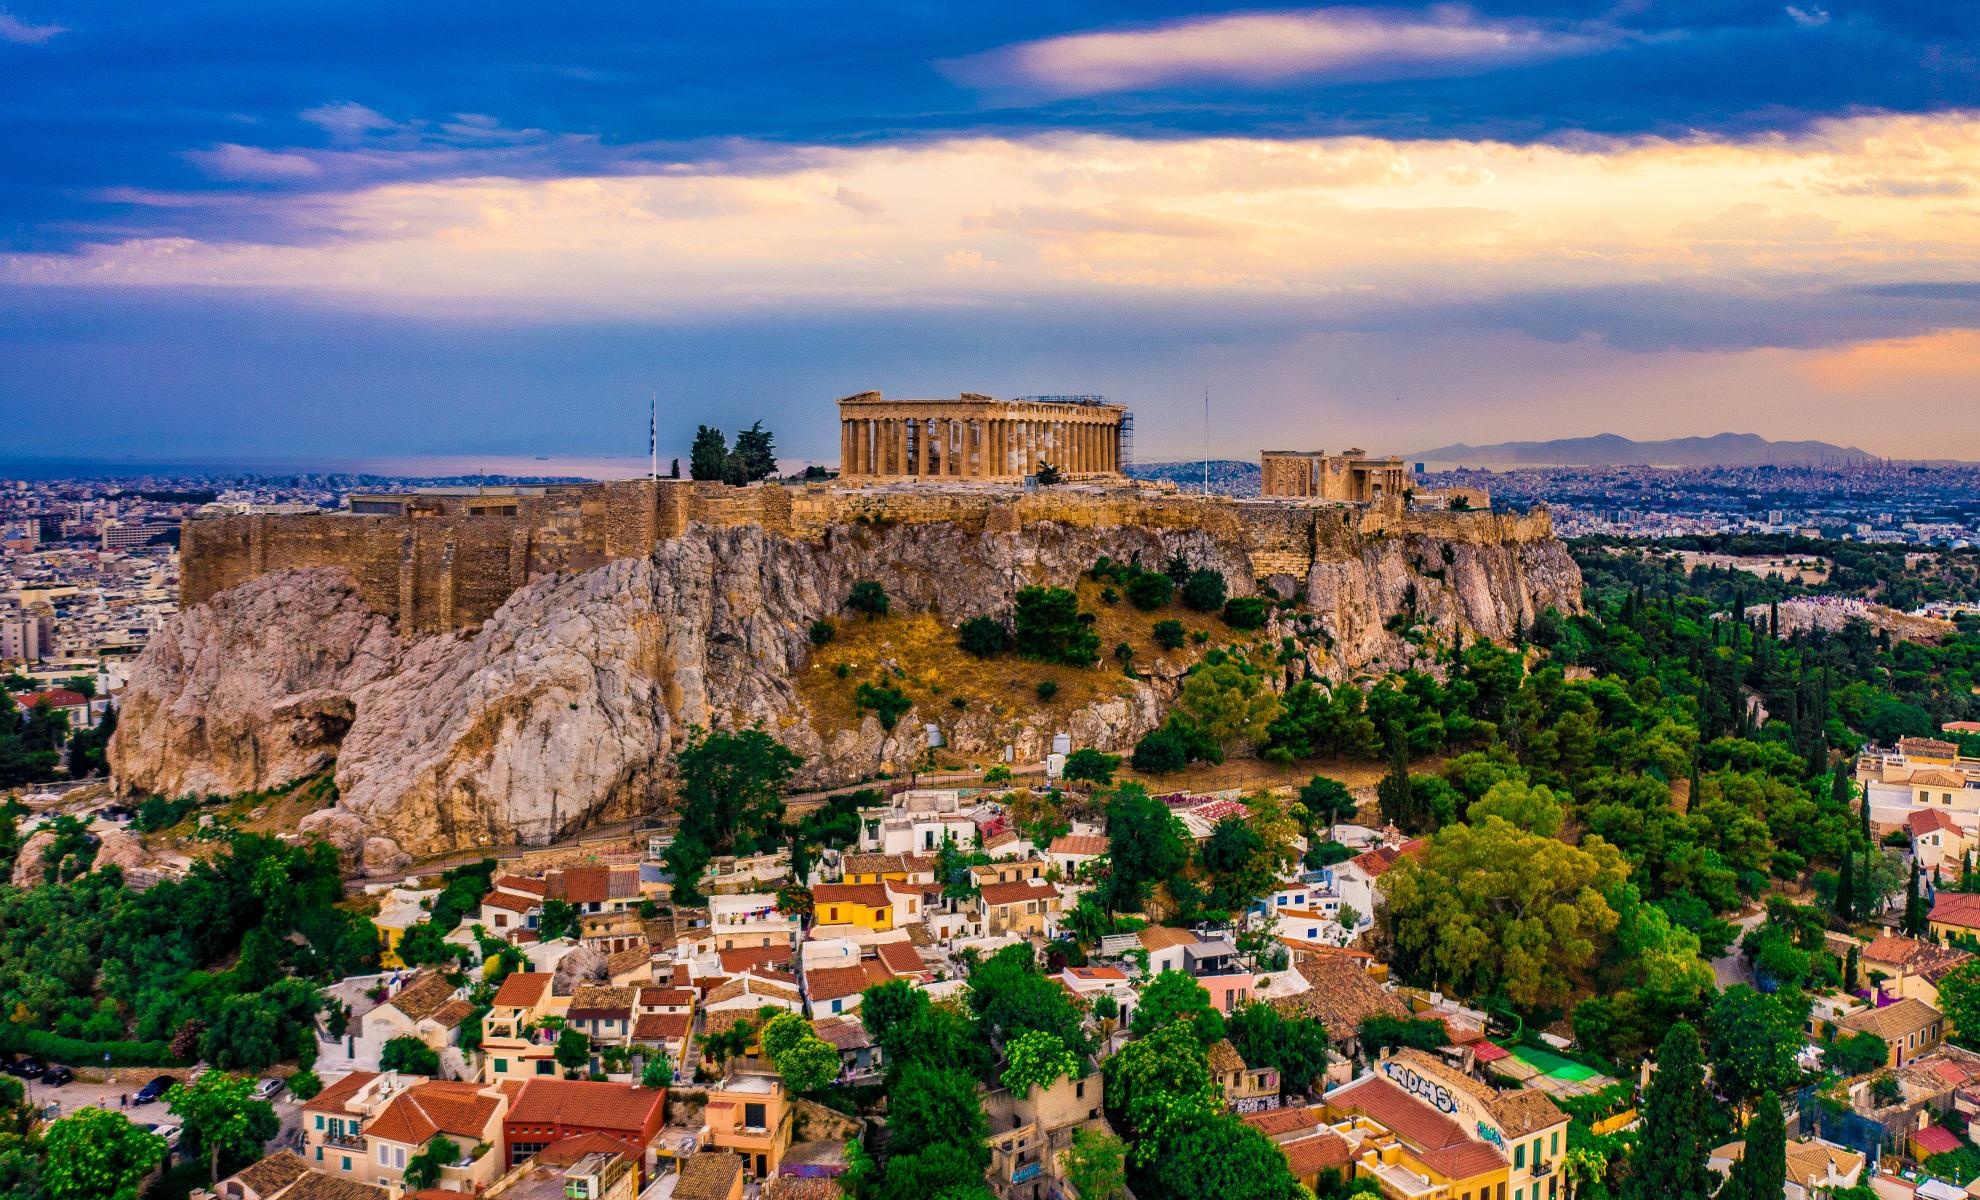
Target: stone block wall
[451,568]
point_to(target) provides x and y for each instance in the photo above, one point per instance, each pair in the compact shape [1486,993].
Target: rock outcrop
[253,690]
[563,708]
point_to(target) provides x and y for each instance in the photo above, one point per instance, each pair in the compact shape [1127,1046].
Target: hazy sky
[242,228]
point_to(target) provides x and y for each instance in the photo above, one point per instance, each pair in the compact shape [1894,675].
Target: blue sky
[358,229]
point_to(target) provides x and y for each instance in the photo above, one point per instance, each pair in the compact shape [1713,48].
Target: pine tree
[1669,1162]
[708,458]
[1761,1171]
[1395,796]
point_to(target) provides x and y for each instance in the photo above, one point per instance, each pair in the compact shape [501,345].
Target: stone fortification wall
[452,569]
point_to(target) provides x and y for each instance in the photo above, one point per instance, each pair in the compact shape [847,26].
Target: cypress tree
[1916,915]
[1669,1163]
[1846,887]
[1761,1171]
[1849,970]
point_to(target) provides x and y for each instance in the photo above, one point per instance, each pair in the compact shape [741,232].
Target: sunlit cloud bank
[1272,47]
[1339,232]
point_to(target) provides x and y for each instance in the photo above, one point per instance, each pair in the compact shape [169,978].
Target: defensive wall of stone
[449,569]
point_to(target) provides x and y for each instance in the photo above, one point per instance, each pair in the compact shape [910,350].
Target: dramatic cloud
[1648,243]
[1272,47]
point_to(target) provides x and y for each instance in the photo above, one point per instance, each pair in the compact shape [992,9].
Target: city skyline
[348,233]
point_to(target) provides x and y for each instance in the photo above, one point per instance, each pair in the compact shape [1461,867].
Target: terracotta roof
[1931,820]
[54,698]
[413,1116]
[1275,1121]
[452,1013]
[1810,1160]
[708,1175]
[1894,1022]
[1224,1057]
[523,989]
[1324,1151]
[1892,950]
[886,864]
[1164,937]
[584,1103]
[273,1173]
[1940,961]
[600,1001]
[663,1027]
[1936,778]
[565,1151]
[630,959]
[1517,1112]
[1936,1139]
[1375,1097]
[331,1099]
[901,958]
[845,1033]
[1927,747]
[511,901]
[749,985]
[835,983]
[1083,843]
[1342,996]
[666,997]
[872,895]
[1097,974]
[1957,908]
[518,883]
[580,885]
[423,996]
[998,894]
[1379,861]
[1464,1160]
[318,1186]
[803,1187]
[735,962]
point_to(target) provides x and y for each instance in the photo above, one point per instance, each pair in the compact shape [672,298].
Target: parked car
[169,1132]
[267,1089]
[154,1090]
[56,1076]
[26,1068]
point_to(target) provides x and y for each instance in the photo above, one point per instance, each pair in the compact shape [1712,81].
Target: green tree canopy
[1669,1162]
[1174,998]
[223,1120]
[98,1155]
[410,1055]
[1037,1059]
[1146,843]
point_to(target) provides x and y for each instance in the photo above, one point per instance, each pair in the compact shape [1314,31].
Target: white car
[169,1132]
[267,1088]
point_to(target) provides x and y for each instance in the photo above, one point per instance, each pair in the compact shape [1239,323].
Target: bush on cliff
[1050,628]
[1246,612]
[985,636]
[868,597]
[1204,591]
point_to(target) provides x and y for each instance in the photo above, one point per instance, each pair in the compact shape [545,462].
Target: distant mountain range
[1614,450]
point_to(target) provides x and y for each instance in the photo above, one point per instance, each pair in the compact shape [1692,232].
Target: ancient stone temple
[977,438]
[1352,477]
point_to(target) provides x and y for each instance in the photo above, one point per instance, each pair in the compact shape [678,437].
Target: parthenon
[975,437]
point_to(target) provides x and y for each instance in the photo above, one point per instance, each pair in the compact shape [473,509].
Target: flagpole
[653,437]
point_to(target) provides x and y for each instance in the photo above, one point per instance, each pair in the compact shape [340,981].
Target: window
[835,1006]
[384,1155]
[545,1067]
[755,1116]
[1554,1143]
[1519,1156]
[319,1120]
[347,1163]
[501,1066]
[1079,1090]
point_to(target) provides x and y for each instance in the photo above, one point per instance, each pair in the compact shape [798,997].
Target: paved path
[1731,967]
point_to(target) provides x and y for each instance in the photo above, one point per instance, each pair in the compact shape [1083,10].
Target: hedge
[77,1052]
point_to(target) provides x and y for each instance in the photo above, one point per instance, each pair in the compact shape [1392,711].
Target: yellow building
[401,910]
[888,868]
[867,905]
[1455,1138]
[750,1115]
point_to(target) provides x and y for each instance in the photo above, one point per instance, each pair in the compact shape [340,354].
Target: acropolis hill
[492,666]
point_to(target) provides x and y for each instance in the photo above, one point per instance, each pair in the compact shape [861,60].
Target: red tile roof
[1936,1139]
[518,883]
[1957,908]
[836,983]
[331,1099]
[511,901]
[663,1027]
[998,894]
[1276,1121]
[1378,862]
[1388,1105]
[1325,1151]
[584,1103]
[523,989]
[1085,843]
[735,962]
[901,958]
[54,698]
[1931,820]
[566,1151]
[413,1116]
[872,895]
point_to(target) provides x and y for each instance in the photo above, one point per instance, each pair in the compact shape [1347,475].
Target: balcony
[1542,1169]
[346,1141]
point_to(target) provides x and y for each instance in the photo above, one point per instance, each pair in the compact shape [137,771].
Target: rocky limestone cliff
[561,710]
[251,692]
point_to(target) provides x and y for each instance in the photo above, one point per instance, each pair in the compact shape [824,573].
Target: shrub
[409,1055]
[304,1085]
[1149,590]
[1109,596]
[80,1052]
[985,636]
[1169,634]
[1050,628]
[822,631]
[1246,612]
[1047,688]
[1091,766]
[1161,751]
[887,702]
[1204,591]
[998,774]
[868,597]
